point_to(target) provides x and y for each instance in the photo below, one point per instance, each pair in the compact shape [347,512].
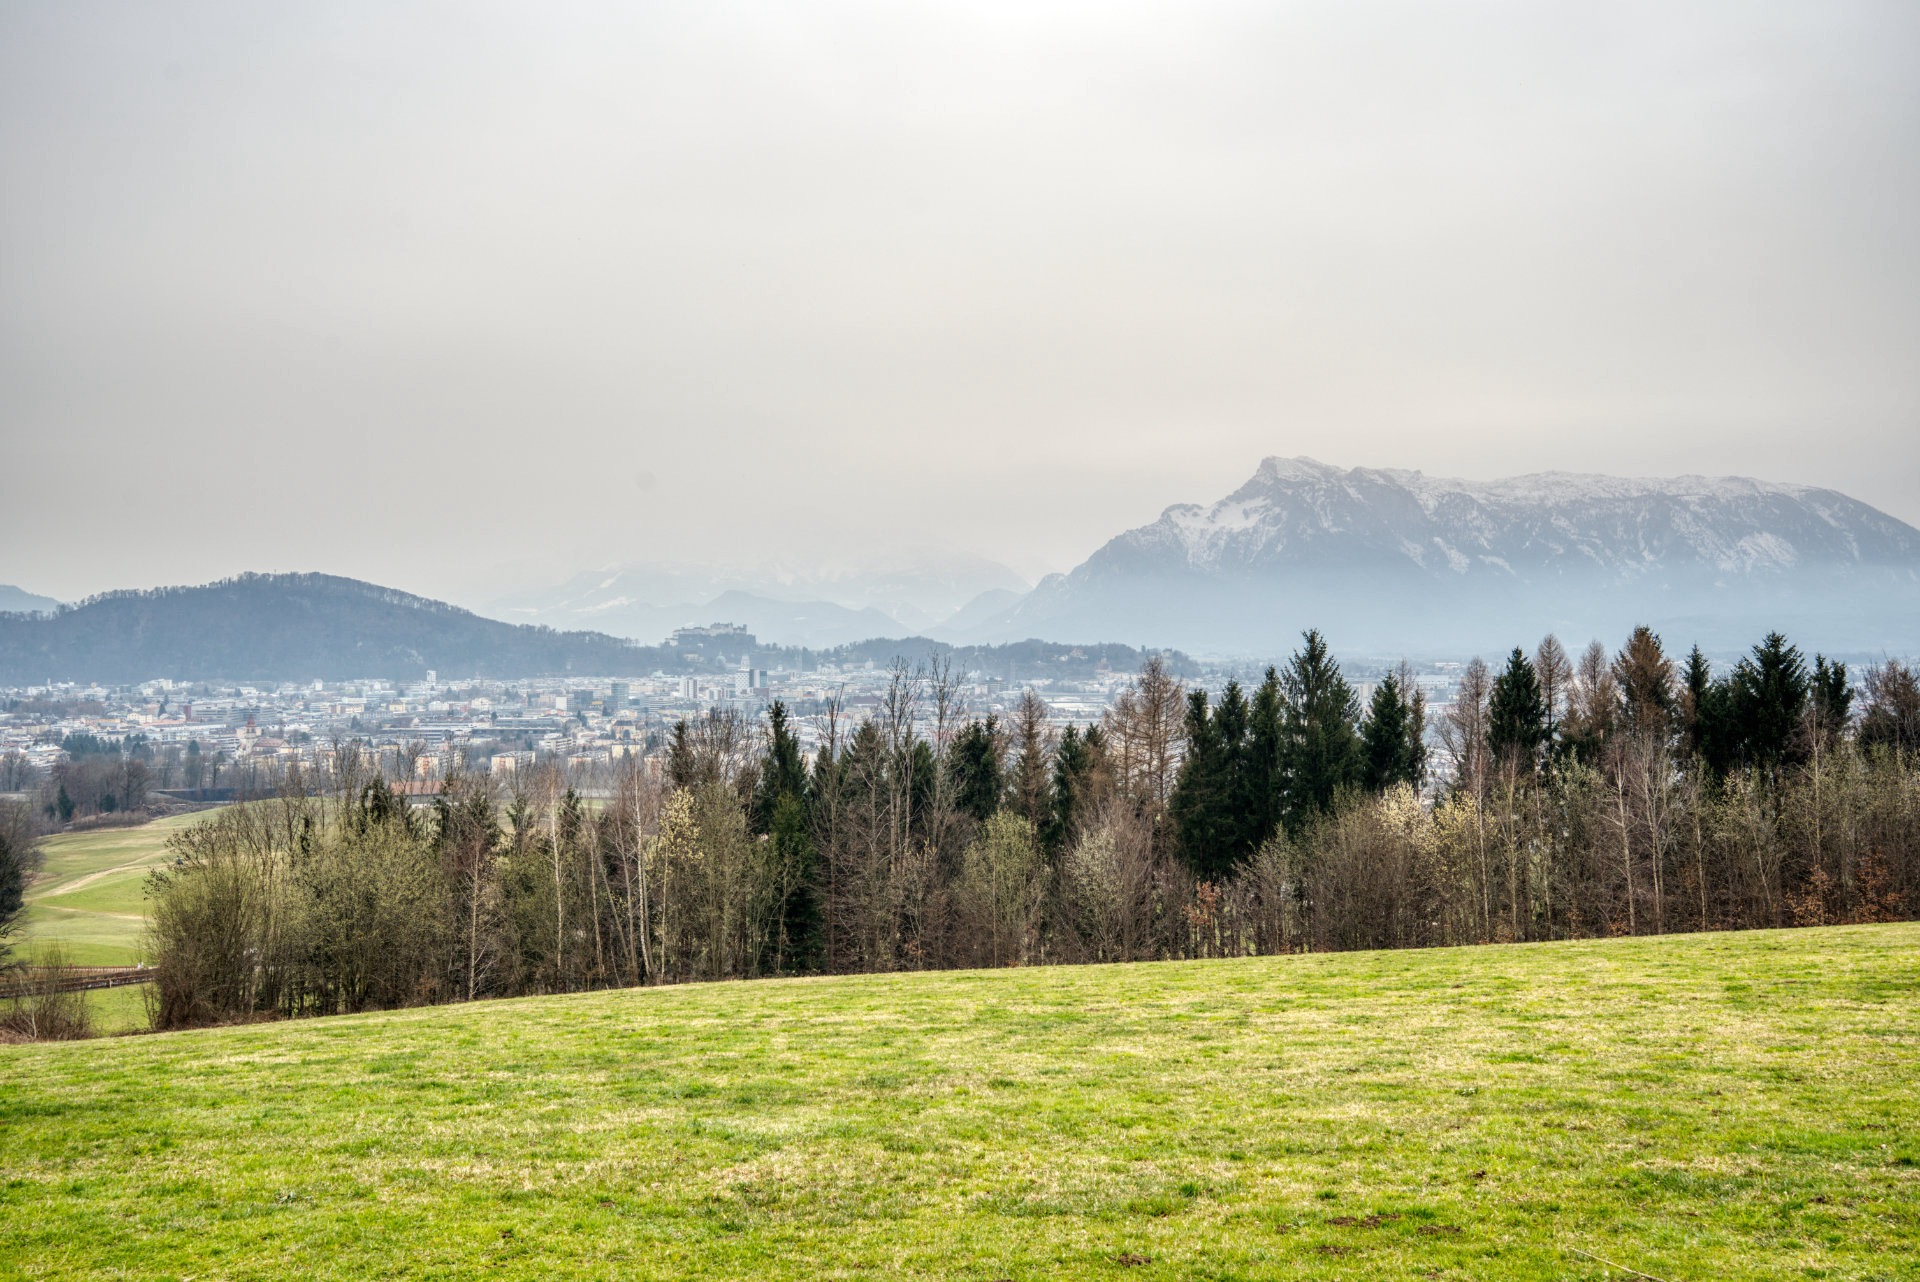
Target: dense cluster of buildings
[197,735]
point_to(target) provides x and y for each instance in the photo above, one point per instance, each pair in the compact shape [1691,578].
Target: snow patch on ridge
[1299,510]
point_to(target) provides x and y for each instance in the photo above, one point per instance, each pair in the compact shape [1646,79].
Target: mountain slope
[290,626]
[280,627]
[800,623]
[780,603]
[15,600]
[1397,561]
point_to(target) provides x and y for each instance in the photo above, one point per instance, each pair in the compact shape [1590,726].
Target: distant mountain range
[1384,562]
[1391,562]
[797,607]
[302,627]
[19,601]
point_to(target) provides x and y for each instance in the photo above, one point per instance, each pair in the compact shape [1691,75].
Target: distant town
[210,741]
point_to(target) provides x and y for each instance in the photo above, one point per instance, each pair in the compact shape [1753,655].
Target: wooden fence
[70,979]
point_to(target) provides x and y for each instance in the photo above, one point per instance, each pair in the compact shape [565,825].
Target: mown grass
[1691,1106]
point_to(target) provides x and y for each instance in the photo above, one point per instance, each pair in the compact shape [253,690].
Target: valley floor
[1738,1105]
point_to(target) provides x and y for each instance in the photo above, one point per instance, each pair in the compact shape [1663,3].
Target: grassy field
[89,899]
[89,894]
[1712,1106]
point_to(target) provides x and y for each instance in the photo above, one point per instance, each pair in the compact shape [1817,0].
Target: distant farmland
[1688,1106]
[90,900]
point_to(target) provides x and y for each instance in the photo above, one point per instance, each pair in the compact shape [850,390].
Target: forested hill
[303,627]
[289,627]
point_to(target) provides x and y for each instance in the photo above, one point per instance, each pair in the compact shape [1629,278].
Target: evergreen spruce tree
[923,777]
[1832,696]
[1415,700]
[1706,716]
[1263,781]
[826,773]
[1201,792]
[1321,754]
[1237,819]
[19,859]
[1696,696]
[1071,762]
[682,767]
[1391,747]
[1769,695]
[783,771]
[782,812]
[975,764]
[1517,714]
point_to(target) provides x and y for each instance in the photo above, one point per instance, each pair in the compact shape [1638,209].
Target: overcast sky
[460,296]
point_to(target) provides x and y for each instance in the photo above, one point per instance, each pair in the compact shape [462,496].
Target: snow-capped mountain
[1396,561]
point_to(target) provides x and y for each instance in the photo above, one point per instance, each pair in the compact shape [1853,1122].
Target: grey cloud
[420,292]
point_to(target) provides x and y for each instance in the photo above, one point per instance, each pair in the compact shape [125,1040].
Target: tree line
[1619,794]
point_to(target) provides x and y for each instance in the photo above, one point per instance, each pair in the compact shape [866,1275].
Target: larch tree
[1555,672]
[1891,718]
[1644,678]
[1145,731]
[1029,783]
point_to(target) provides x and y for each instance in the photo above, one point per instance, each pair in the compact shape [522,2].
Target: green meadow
[90,900]
[90,894]
[1708,1106]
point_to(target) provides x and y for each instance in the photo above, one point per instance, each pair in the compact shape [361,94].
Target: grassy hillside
[90,894]
[1691,1106]
[90,899]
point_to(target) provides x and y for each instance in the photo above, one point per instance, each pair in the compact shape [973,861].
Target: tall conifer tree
[1390,738]
[783,812]
[1203,792]
[1832,696]
[1517,714]
[1264,780]
[1322,754]
[1071,763]
[978,773]
[1769,695]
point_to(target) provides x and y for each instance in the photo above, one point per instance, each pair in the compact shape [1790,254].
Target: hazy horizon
[463,300]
